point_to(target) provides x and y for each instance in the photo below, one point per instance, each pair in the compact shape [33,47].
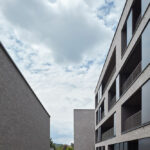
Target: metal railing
[112,102]
[108,134]
[132,77]
[111,75]
[133,121]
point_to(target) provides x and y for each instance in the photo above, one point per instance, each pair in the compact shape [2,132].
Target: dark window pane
[114,124]
[129,28]
[144,5]
[144,144]
[99,134]
[146,102]
[146,46]
[121,146]
[116,147]
[125,145]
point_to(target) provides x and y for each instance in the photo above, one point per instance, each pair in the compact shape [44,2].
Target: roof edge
[23,78]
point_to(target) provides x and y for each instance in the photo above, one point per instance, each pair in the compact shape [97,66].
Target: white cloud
[60,47]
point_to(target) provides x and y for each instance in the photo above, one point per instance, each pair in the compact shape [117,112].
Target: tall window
[117,87]
[100,93]
[145,103]
[126,33]
[115,124]
[146,46]
[129,28]
[145,4]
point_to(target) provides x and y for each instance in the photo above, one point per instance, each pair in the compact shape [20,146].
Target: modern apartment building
[84,129]
[24,123]
[122,94]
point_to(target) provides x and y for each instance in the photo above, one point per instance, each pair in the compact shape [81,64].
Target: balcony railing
[108,134]
[131,78]
[111,75]
[133,121]
[112,102]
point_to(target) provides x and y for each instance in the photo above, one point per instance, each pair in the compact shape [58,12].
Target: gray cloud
[69,31]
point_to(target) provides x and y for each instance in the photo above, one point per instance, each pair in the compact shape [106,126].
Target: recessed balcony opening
[112,96]
[96,136]
[133,145]
[100,148]
[131,112]
[130,145]
[131,69]
[107,129]
[136,14]
[102,111]
[96,100]
[124,38]
[111,147]
[109,72]
[97,118]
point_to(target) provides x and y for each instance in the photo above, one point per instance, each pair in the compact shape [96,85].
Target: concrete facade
[121,59]
[84,129]
[24,123]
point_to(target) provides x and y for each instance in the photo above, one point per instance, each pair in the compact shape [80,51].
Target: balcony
[131,111]
[108,134]
[131,78]
[111,68]
[110,77]
[107,128]
[133,121]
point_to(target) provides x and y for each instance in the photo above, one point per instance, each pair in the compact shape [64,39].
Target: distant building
[84,136]
[24,123]
[122,94]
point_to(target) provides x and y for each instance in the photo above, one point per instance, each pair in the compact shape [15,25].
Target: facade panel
[84,129]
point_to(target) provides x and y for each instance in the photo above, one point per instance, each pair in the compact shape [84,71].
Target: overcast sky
[60,47]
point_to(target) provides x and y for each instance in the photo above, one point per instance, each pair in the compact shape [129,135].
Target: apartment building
[122,94]
[24,123]
[84,129]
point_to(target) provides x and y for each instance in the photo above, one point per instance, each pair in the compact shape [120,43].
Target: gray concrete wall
[84,134]
[24,123]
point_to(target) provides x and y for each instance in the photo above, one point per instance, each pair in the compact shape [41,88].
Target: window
[146,47]
[146,103]
[96,100]
[144,144]
[115,124]
[129,28]
[124,38]
[145,4]
[99,93]
[117,87]
[131,24]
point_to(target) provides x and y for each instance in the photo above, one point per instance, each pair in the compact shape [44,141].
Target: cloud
[60,47]
[68,29]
